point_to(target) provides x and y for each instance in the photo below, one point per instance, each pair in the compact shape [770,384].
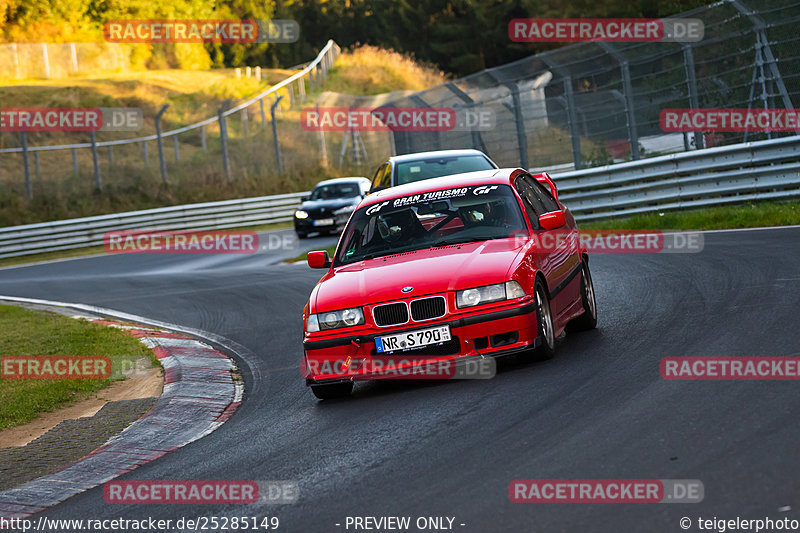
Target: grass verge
[750,215]
[27,332]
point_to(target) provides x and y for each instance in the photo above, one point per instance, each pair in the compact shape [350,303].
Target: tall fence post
[75,161]
[691,81]
[45,60]
[98,181]
[573,124]
[223,134]
[28,184]
[175,146]
[275,134]
[263,114]
[162,161]
[627,91]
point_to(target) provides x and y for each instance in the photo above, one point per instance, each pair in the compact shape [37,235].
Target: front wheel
[588,320]
[544,324]
[332,390]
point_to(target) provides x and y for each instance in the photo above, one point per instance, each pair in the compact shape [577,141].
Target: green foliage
[460,36]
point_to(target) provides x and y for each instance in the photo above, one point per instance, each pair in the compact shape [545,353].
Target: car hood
[429,271]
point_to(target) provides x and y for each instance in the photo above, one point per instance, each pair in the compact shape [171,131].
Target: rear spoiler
[545,179]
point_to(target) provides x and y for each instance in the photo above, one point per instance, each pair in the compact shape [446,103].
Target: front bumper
[494,332]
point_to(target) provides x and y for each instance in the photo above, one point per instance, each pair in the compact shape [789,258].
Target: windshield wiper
[462,240]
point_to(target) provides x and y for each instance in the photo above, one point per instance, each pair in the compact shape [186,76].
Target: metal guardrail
[714,176]
[89,231]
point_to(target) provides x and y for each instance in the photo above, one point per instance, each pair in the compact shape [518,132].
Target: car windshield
[431,219]
[411,171]
[336,190]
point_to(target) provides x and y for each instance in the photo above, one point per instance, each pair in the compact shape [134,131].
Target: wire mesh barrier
[596,103]
[233,141]
[60,60]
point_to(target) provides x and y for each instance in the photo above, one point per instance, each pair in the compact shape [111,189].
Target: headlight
[335,319]
[300,214]
[489,293]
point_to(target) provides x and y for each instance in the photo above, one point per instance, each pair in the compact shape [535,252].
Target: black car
[329,205]
[407,168]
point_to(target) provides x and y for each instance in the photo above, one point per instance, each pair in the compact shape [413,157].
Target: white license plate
[324,222]
[409,340]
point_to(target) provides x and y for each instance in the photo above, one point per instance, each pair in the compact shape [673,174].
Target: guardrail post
[161,159]
[75,161]
[175,146]
[36,164]
[291,95]
[144,152]
[691,81]
[28,184]
[110,156]
[275,134]
[203,138]
[312,89]
[223,134]
[98,181]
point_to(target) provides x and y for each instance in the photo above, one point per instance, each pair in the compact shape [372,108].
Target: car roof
[438,153]
[334,181]
[504,176]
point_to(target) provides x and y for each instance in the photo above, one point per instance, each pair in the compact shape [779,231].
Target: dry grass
[367,70]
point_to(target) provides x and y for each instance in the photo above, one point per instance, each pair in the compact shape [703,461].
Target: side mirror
[319,259]
[305,198]
[552,220]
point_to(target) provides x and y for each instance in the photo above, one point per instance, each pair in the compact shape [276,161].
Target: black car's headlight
[489,293]
[300,214]
[335,319]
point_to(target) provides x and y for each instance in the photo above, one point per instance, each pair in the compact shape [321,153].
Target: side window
[532,203]
[387,176]
[377,181]
[544,195]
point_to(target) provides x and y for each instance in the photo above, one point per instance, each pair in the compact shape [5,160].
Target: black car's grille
[390,314]
[428,308]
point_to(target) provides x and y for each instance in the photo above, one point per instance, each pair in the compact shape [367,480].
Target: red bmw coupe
[446,270]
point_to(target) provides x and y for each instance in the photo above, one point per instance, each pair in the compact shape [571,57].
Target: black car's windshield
[331,191]
[408,172]
[425,220]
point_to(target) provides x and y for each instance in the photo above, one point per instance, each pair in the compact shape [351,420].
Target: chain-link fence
[592,104]
[60,60]
[242,139]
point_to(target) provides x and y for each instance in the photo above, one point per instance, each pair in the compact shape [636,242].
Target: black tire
[332,390]
[544,324]
[588,320]
[302,235]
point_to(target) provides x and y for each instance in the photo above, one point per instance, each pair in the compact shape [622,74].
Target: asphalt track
[598,410]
